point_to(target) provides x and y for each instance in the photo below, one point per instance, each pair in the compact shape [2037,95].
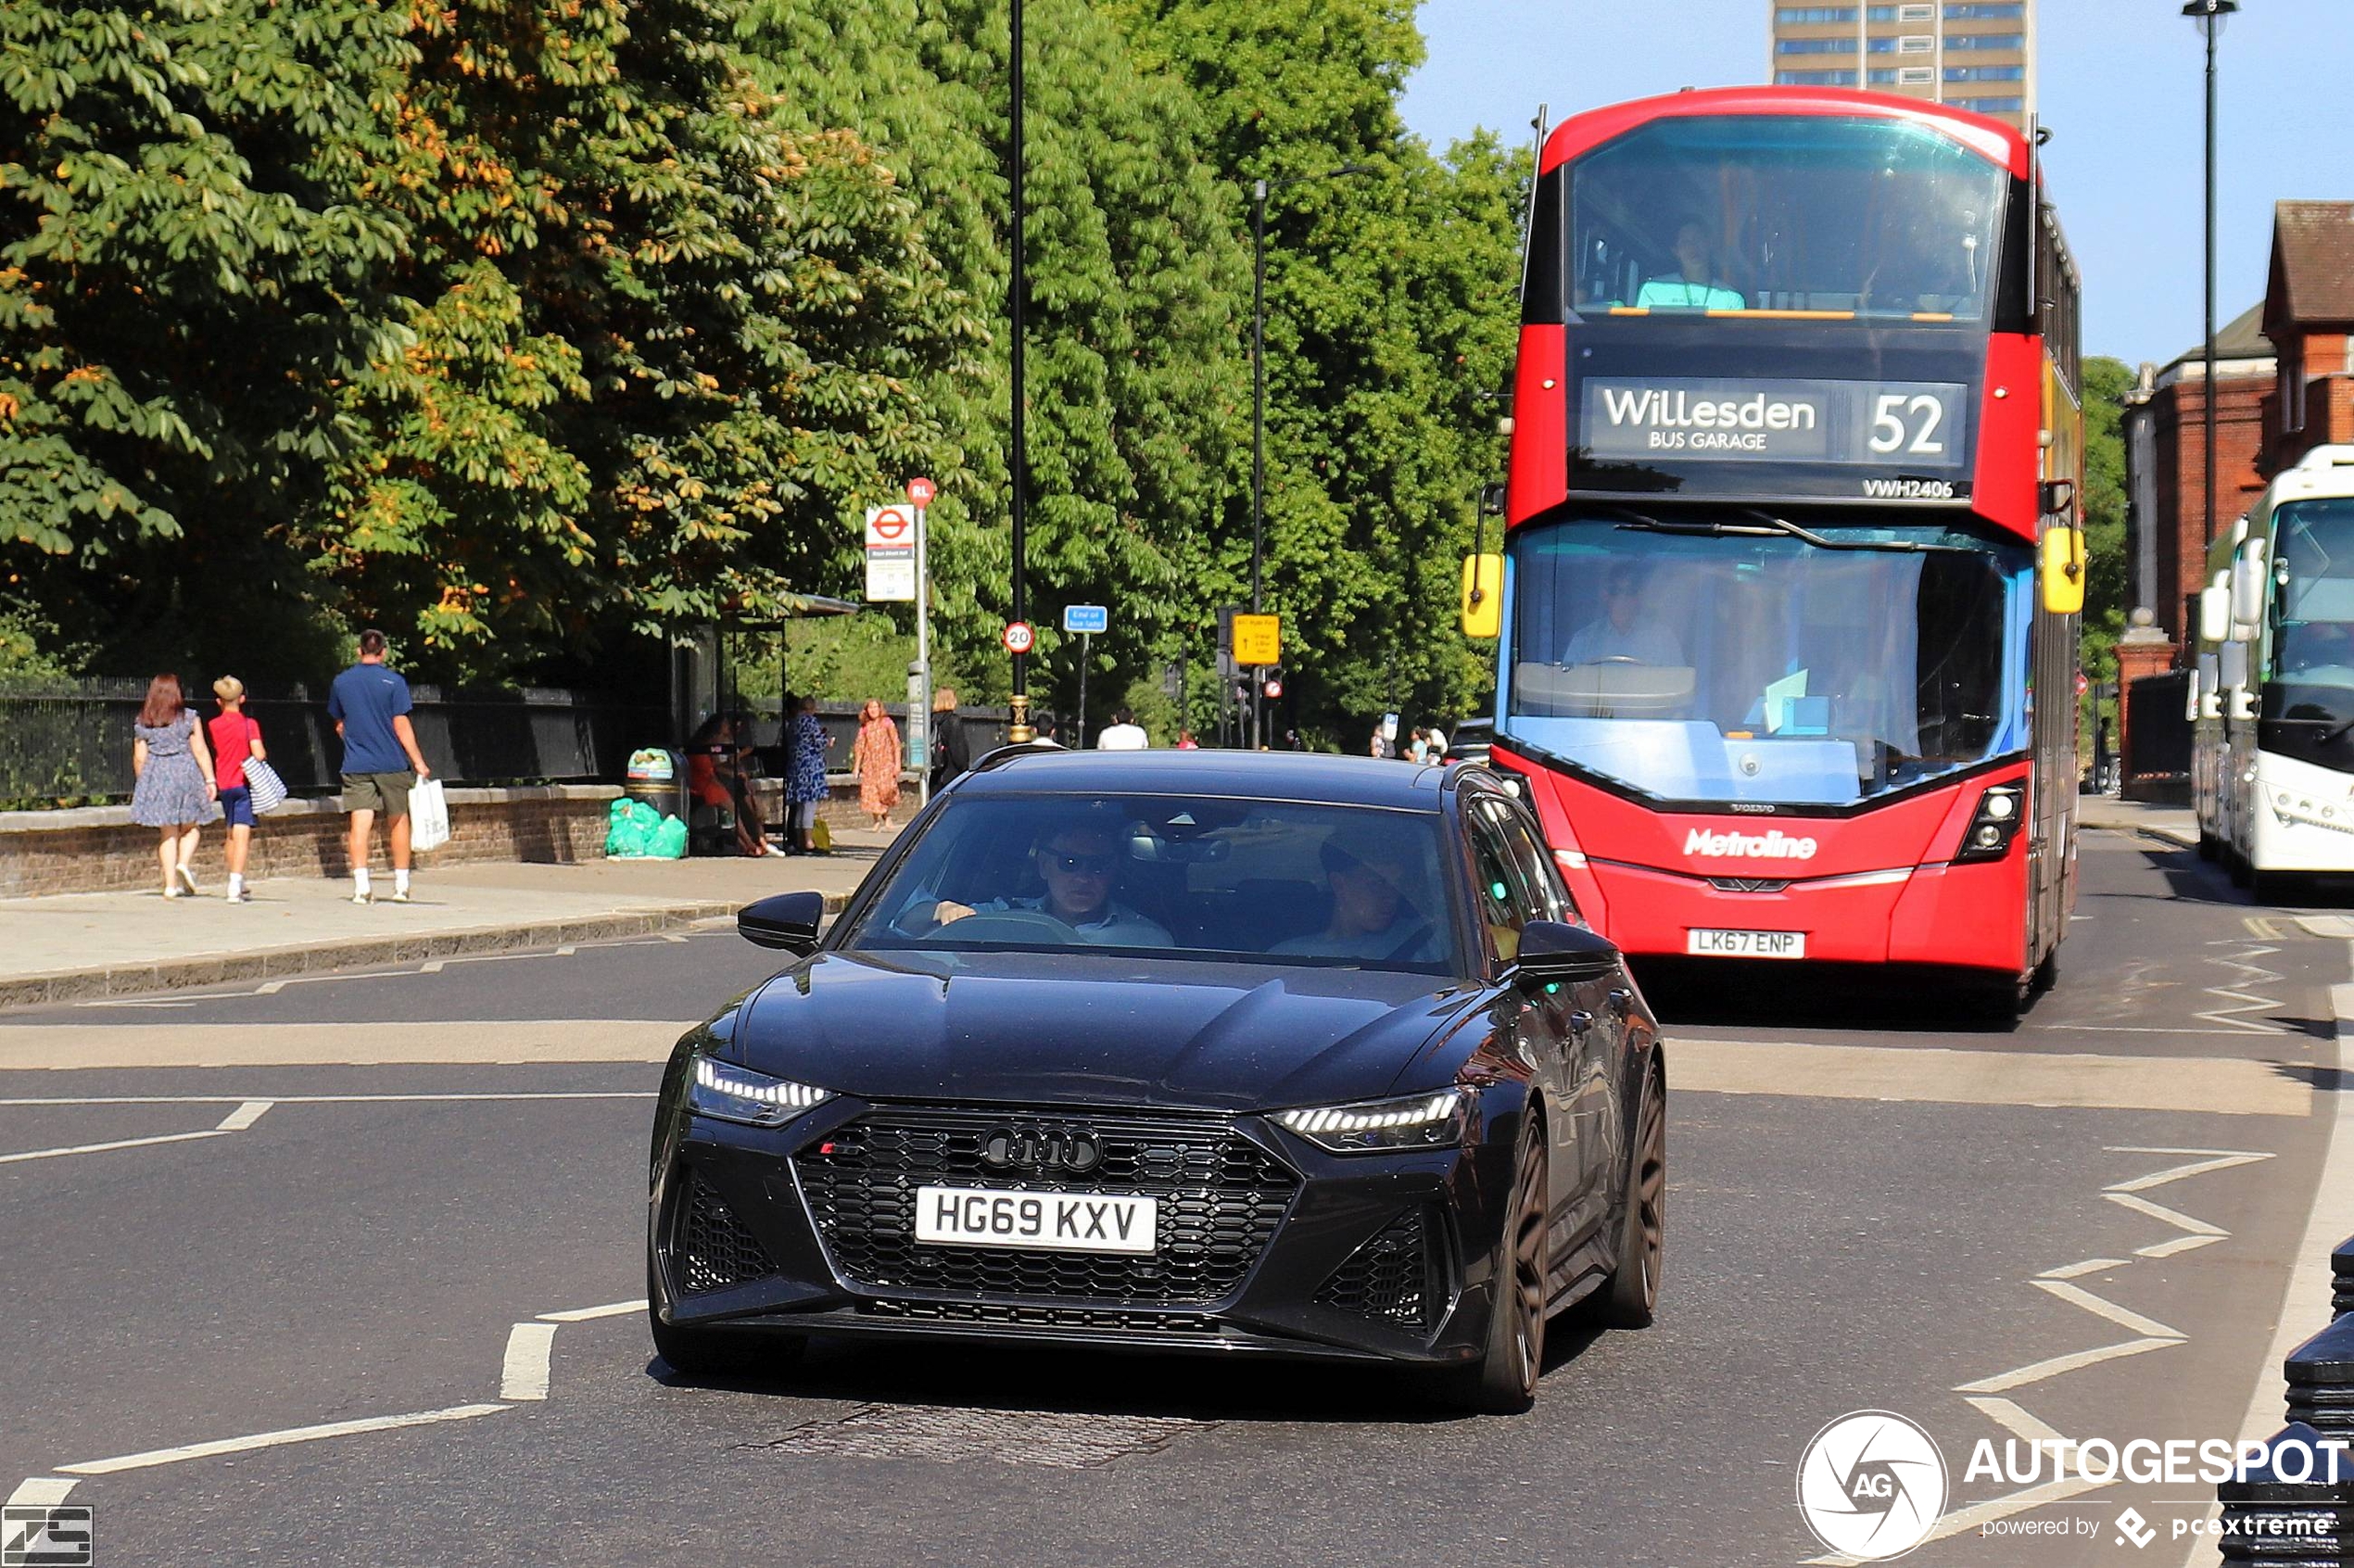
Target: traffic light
[1272,682]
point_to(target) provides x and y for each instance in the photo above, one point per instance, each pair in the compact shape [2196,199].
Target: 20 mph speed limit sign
[1018,637]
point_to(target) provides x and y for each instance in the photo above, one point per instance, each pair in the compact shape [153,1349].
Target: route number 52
[1907,424]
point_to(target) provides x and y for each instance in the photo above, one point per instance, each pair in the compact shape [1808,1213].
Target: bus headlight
[1993,825]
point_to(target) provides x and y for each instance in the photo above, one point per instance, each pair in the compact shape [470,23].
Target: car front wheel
[1503,1381]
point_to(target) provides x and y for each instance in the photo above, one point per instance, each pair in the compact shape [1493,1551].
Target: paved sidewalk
[2175,824]
[75,946]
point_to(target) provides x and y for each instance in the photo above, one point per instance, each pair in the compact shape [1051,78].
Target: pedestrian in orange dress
[875,756]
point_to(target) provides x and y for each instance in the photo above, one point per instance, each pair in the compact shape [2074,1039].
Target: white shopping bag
[428,817]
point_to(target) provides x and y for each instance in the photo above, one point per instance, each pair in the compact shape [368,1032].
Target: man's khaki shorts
[387,792]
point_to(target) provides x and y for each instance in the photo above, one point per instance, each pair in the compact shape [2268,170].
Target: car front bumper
[1268,1244]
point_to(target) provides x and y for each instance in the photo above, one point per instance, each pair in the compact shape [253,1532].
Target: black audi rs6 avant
[1177,1051]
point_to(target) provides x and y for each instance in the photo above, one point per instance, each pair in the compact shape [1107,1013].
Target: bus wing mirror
[2064,571]
[2248,595]
[1483,605]
[2214,614]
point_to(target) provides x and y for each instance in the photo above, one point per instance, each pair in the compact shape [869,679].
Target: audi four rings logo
[1042,1148]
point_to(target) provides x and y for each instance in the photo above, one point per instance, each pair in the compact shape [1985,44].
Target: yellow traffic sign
[1258,639]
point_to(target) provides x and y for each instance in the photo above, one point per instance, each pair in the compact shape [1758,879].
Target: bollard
[2342,1278]
[2321,1380]
[2283,1523]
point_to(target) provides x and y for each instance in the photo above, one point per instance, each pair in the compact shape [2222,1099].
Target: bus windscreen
[1815,216]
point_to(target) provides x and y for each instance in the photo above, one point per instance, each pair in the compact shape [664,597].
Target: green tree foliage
[1138,283]
[1392,304]
[2106,382]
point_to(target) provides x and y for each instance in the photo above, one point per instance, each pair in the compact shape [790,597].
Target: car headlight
[1417,1121]
[733,1094]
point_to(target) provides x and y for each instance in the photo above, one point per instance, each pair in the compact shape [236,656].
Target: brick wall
[99,849]
[2183,531]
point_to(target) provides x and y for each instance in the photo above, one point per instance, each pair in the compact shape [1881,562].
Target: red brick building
[2284,384]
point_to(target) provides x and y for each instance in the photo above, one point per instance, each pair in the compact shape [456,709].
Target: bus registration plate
[1745,944]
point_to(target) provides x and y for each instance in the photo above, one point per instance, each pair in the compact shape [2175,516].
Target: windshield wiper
[1765,526]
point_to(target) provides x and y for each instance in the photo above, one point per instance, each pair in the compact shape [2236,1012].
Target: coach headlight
[1993,825]
[733,1094]
[1417,1121]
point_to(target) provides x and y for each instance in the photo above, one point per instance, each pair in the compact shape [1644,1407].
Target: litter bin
[658,777]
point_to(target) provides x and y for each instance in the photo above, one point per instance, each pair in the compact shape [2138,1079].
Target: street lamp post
[1258,190]
[2210,15]
[1018,730]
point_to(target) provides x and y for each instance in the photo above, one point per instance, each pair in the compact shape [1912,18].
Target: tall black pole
[2211,25]
[1019,730]
[1257,414]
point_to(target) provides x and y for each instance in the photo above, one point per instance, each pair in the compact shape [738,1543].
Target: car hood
[1047,1029]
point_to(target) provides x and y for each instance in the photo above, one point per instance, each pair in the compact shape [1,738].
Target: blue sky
[2121,91]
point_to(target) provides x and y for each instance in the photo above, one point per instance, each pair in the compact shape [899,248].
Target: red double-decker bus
[1793,543]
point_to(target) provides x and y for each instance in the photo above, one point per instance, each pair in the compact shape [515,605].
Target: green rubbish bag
[629,828]
[669,840]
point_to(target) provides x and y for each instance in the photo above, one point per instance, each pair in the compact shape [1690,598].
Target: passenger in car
[1080,862]
[1371,918]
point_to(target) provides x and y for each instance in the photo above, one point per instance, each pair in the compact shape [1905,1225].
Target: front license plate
[1745,944]
[1046,1221]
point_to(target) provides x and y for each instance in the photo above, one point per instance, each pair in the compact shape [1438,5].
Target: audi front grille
[1220,1198]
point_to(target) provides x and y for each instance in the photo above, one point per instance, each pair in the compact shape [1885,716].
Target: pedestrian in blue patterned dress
[175,790]
[806,773]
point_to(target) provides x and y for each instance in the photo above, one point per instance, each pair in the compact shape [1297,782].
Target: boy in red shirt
[235,738]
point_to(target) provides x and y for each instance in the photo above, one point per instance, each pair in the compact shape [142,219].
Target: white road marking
[40,1491]
[2180,1244]
[2003,1383]
[583,1314]
[245,1116]
[2090,1265]
[2228,1018]
[2180,1220]
[276,1439]
[2305,1301]
[2224,1161]
[524,1373]
[2124,1318]
[117,1143]
[2016,1422]
[328,1099]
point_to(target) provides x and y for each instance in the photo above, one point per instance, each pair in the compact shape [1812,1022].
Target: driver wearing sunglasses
[1080,863]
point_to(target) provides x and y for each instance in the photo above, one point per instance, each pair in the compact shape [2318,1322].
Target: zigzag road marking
[2227,1017]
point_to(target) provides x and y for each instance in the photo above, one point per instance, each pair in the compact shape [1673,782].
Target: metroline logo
[1775,845]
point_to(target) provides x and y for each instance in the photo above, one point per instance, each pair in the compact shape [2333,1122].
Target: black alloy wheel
[1631,1299]
[1503,1381]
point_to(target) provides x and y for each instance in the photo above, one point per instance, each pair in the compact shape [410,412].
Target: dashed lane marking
[523,1375]
[474,1041]
[154,1456]
[583,1314]
[40,1491]
[245,1116]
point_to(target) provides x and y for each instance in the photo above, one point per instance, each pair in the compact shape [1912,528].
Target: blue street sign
[1090,618]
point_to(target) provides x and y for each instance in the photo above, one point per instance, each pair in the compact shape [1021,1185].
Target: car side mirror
[788,921]
[1555,950]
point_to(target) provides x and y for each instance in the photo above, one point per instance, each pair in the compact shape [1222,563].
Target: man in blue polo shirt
[381,763]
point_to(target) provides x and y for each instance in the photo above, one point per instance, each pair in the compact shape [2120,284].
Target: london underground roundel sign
[1018,637]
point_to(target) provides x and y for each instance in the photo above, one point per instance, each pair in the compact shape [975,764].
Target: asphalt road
[347,1229]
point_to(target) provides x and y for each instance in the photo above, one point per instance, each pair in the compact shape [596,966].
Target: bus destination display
[1886,425]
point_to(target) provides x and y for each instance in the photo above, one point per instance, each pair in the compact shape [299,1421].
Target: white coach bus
[2273,696]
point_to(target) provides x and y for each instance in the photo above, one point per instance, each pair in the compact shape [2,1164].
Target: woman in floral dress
[805,775]
[175,789]
[876,760]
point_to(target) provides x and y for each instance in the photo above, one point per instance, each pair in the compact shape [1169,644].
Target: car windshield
[1755,666]
[1863,217]
[1191,876]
